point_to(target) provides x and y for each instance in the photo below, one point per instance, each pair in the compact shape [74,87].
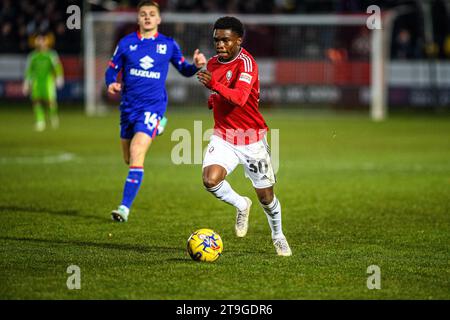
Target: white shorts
[255,157]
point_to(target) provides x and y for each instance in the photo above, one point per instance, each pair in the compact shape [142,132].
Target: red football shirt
[235,99]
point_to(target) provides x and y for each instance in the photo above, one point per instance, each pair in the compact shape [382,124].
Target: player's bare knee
[211,182]
[266,199]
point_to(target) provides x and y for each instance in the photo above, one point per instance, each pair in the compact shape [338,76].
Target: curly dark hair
[230,23]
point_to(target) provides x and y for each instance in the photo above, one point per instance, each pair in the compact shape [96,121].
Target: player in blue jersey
[144,57]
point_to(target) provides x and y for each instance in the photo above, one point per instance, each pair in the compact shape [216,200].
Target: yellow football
[205,245]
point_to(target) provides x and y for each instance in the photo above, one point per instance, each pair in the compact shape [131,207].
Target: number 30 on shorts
[260,166]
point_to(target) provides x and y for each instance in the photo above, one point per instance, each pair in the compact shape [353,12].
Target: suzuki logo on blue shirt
[146,62]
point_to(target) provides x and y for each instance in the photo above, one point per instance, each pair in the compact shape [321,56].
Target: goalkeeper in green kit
[43,74]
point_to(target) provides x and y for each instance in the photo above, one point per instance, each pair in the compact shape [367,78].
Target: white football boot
[39,126]
[121,214]
[282,247]
[241,225]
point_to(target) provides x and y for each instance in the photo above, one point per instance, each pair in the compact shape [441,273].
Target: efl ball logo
[205,245]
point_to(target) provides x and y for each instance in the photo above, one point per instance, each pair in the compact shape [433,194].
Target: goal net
[315,60]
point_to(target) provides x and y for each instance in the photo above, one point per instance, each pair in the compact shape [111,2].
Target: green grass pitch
[354,193]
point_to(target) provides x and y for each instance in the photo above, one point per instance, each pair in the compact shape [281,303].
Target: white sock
[224,192]
[273,213]
[127,210]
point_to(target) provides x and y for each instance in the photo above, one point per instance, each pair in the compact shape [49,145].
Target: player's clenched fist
[199,59]
[205,78]
[114,88]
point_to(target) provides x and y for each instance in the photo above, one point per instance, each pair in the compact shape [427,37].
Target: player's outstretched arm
[183,67]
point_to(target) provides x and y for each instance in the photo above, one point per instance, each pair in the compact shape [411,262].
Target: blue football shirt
[145,64]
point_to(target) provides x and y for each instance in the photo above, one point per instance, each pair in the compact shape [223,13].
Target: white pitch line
[50,159]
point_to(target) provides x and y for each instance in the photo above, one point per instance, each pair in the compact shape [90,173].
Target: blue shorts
[139,121]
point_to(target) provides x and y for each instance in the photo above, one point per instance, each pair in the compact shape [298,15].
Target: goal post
[308,60]
[379,89]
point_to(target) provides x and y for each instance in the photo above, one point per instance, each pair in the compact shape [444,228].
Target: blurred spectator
[403,45]
[337,55]
[446,47]
[7,11]
[8,38]
[360,47]
[61,43]
[21,20]
[22,38]
[311,44]
[285,6]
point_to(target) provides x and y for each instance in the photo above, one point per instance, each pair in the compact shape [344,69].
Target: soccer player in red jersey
[239,131]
